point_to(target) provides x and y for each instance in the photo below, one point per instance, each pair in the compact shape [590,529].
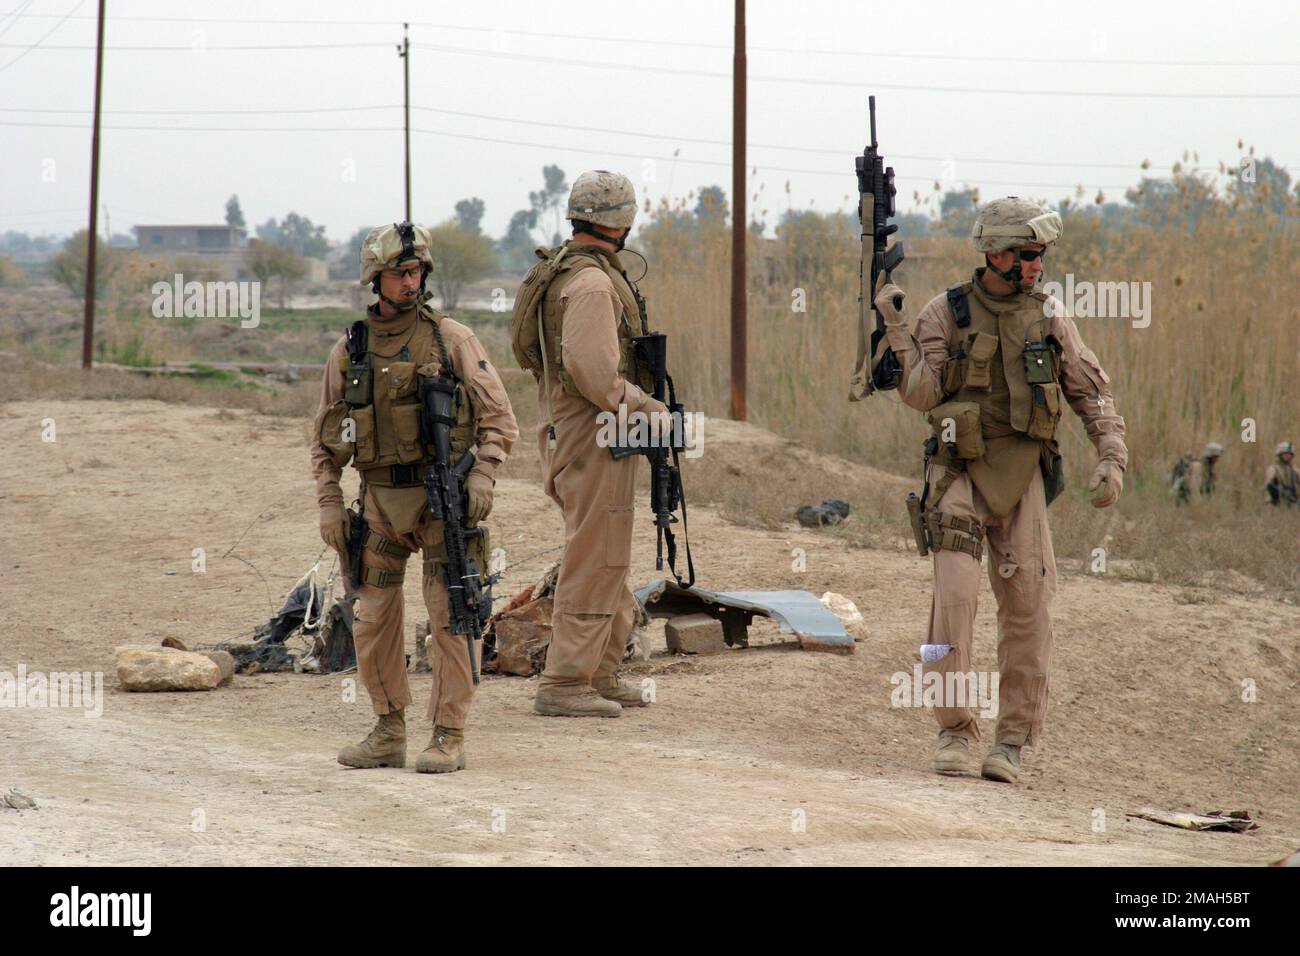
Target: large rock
[225,661]
[164,668]
[694,634]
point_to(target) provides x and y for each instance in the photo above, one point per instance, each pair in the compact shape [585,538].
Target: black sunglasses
[1029,255]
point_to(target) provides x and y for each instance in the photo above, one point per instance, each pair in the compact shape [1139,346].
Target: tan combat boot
[385,747]
[445,753]
[626,693]
[1002,763]
[951,753]
[573,700]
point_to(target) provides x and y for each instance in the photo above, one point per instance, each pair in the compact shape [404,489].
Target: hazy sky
[498,87]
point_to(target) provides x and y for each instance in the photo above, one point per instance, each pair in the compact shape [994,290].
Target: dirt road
[769,755]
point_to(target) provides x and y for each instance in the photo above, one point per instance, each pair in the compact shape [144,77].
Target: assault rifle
[877,369]
[666,492]
[469,595]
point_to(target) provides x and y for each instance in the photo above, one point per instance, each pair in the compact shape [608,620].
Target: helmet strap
[404,306]
[582,225]
[1013,276]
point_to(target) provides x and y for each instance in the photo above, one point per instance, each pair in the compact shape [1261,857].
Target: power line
[569,126]
[15,13]
[191,48]
[510,142]
[857,84]
[690,44]
[550,146]
[197,112]
[220,129]
[796,149]
[675,71]
[29,49]
[841,154]
[720,163]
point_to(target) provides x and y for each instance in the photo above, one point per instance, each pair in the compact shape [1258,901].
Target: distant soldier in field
[1282,479]
[1196,476]
[994,363]
[370,415]
[1209,458]
[1180,483]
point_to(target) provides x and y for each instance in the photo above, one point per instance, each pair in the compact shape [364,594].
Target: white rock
[848,614]
[164,668]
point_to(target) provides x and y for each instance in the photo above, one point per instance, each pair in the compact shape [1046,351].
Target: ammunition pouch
[978,374]
[957,427]
[478,547]
[954,372]
[328,433]
[1044,411]
[363,426]
[1042,361]
[946,532]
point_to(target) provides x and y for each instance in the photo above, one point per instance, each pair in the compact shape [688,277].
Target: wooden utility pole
[88,322]
[404,51]
[739,222]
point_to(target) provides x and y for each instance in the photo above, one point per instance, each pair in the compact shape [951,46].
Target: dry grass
[1222,346]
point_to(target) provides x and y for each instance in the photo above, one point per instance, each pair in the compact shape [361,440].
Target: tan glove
[890,300]
[334,527]
[478,487]
[1109,478]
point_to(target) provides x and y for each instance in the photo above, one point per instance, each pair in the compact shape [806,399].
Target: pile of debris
[321,624]
[518,635]
[318,625]
[830,511]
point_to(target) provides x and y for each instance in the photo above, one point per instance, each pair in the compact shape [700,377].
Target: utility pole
[739,222]
[92,238]
[404,51]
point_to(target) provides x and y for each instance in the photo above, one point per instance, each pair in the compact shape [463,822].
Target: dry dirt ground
[769,755]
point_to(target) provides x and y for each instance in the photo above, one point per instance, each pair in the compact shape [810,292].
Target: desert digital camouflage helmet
[604,198]
[390,244]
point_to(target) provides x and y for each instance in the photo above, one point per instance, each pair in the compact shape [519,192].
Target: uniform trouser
[381,650]
[593,605]
[1022,572]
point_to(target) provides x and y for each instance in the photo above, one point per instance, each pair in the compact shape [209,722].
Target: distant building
[225,248]
[192,240]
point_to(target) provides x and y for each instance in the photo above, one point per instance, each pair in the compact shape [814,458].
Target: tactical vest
[384,406]
[563,263]
[1003,398]
[1008,364]
[1288,482]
